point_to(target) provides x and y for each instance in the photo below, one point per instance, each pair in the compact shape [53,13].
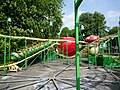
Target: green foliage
[31,14]
[114,30]
[27,15]
[66,32]
[94,23]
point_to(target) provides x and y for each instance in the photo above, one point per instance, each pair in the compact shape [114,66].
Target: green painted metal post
[62,51]
[48,56]
[5,54]
[77,3]
[119,41]
[102,48]
[55,54]
[95,56]
[9,49]
[109,53]
[67,53]
[44,56]
[41,57]
[119,36]
[26,54]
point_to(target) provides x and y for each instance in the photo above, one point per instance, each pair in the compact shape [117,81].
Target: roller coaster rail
[51,48]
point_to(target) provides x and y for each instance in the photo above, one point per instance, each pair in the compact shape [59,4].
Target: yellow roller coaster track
[84,50]
[15,63]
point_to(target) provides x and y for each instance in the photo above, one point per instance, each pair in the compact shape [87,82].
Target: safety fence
[106,53]
[20,52]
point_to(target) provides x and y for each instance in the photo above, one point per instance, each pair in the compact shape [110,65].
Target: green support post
[119,37]
[5,54]
[67,52]
[109,53]
[88,47]
[119,41]
[55,54]
[44,56]
[109,47]
[9,49]
[95,56]
[48,56]
[102,48]
[25,54]
[41,57]
[63,52]
[77,3]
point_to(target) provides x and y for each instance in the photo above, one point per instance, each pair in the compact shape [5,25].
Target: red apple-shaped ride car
[91,38]
[67,46]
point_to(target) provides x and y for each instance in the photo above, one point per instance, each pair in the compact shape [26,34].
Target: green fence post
[67,52]
[5,54]
[102,48]
[9,49]
[25,54]
[48,56]
[89,62]
[44,55]
[41,57]
[109,53]
[63,51]
[119,41]
[109,47]
[119,36]
[76,5]
[95,55]
[55,53]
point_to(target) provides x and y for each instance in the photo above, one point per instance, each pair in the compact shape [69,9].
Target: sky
[110,9]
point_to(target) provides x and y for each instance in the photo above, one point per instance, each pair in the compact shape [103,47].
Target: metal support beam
[77,57]
[5,55]
[119,36]
[77,3]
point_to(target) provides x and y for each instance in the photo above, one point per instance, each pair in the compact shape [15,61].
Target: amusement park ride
[100,51]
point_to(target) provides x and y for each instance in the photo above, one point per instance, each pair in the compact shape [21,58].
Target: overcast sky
[110,8]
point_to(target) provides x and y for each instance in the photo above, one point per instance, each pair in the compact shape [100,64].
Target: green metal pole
[5,54]
[9,49]
[25,54]
[67,52]
[44,56]
[119,41]
[48,54]
[77,3]
[41,57]
[49,57]
[109,53]
[119,37]
[9,43]
[102,48]
[62,51]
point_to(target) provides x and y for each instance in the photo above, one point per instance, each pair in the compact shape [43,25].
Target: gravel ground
[47,77]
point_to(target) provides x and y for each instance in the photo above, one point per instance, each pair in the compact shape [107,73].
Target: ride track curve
[15,63]
[84,50]
[92,44]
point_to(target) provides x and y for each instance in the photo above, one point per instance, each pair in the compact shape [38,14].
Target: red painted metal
[71,46]
[91,38]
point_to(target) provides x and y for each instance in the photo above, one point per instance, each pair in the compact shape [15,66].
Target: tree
[94,23]
[64,32]
[67,33]
[33,15]
[114,30]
